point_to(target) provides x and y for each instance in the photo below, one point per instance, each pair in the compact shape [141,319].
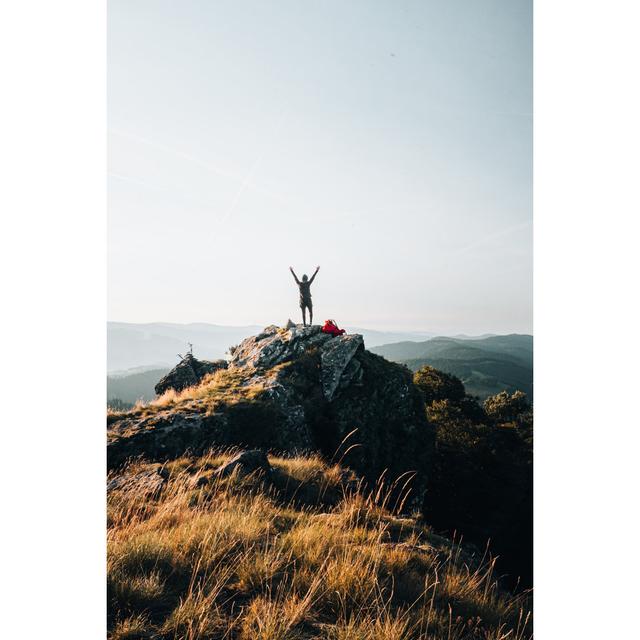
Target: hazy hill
[138,385]
[159,343]
[485,365]
[517,345]
[156,344]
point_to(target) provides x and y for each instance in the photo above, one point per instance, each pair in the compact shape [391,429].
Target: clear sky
[389,142]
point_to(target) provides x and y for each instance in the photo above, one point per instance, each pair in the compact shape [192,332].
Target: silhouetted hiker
[305,294]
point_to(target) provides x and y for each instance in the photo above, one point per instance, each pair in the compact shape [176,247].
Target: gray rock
[300,332]
[149,482]
[335,357]
[245,463]
[261,351]
[277,345]
[352,374]
[188,373]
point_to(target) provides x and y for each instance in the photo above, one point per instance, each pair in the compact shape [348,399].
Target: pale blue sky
[389,142]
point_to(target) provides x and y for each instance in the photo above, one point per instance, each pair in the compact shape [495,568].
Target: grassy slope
[306,555]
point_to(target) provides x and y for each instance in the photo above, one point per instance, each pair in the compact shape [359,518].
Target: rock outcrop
[294,390]
[188,373]
[339,367]
[244,463]
[275,346]
[148,482]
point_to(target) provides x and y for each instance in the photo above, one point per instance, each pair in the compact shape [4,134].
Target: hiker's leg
[310,314]
[304,316]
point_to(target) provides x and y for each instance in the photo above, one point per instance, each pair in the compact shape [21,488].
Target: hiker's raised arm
[293,273]
[315,273]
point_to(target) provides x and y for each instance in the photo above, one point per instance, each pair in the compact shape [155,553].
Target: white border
[586,112]
[52,155]
[53,262]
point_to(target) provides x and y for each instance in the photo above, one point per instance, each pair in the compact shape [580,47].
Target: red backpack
[332,328]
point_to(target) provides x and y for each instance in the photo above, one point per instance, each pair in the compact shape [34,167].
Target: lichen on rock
[335,358]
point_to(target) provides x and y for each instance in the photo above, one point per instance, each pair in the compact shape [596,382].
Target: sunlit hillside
[299,551]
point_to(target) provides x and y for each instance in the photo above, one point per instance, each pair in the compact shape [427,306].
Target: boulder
[149,482]
[245,463]
[335,358]
[276,345]
[188,373]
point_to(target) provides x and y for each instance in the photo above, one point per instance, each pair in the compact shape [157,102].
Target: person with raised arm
[305,294]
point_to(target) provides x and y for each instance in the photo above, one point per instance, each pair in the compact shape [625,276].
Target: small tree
[232,349]
[507,408]
[438,385]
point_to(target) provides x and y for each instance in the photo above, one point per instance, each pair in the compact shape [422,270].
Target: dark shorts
[306,302]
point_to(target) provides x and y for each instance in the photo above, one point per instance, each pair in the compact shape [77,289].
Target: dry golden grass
[226,386]
[248,559]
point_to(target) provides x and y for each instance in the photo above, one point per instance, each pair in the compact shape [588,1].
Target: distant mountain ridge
[485,365]
[138,385]
[157,344]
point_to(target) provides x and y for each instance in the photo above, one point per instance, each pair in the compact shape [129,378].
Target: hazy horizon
[389,144]
[257,325]
[389,328]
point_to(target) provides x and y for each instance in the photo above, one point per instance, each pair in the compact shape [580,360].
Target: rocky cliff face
[293,390]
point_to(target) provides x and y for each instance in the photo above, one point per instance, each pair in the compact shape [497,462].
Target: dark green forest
[481,486]
[486,366]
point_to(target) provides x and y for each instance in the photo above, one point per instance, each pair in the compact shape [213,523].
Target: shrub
[438,385]
[481,483]
[507,408]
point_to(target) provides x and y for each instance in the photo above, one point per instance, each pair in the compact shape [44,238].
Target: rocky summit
[273,346]
[290,390]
